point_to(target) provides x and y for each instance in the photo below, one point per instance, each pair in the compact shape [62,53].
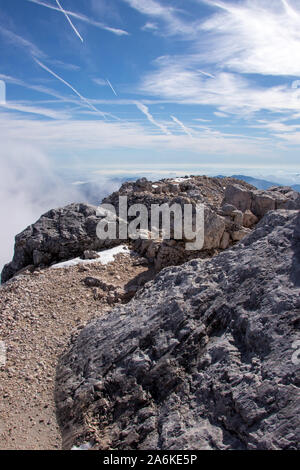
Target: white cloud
[29,109]
[291,139]
[150,27]
[99,81]
[254,36]
[84,135]
[28,187]
[170,16]
[176,79]
[220,114]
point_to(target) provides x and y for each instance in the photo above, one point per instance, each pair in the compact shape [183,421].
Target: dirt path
[38,314]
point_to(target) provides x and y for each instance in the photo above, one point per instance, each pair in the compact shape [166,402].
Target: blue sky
[96,88]
[142,82]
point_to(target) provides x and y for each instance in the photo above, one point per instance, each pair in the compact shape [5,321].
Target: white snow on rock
[180,180]
[85,446]
[105,257]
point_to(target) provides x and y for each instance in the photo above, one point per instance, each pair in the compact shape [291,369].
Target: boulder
[60,234]
[249,219]
[238,235]
[238,217]
[262,203]
[238,196]
[225,242]
[214,228]
[90,254]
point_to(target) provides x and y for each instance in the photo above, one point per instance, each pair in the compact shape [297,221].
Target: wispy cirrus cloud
[29,108]
[150,26]
[85,135]
[254,36]
[170,16]
[84,18]
[259,37]
[18,41]
[178,80]
[63,99]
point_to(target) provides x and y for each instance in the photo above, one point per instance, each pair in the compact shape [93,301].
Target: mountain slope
[203,358]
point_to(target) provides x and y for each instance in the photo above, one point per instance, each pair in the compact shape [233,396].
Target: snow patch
[85,446]
[180,180]
[105,257]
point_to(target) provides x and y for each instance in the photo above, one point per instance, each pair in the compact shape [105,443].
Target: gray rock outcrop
[202,358]
[260,202]
[60,234]
[232,208]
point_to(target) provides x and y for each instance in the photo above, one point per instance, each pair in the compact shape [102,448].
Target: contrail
[144,109]
[72,26]
[111,87]
[185,129]
[90,105]
[207,74]
[289,9]
[81,17]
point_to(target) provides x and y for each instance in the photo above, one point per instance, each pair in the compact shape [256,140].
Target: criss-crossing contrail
[111,87]
[183,127]
[145,110]
[81,17]
[71,24]
[90,105]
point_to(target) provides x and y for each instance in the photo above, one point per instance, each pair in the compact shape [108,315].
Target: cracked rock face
[202,358]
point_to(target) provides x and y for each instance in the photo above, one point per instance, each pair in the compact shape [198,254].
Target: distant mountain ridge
[263,184]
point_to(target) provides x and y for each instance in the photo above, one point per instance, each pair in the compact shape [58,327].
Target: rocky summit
[232,208]
[147,345]
[201,358]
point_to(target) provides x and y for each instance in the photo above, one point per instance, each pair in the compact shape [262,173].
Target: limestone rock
[238,196]
[60,234]
[202,358]
[260,202]
[249,219]
[90,254]
[214,228]
[225,242]
[238,235]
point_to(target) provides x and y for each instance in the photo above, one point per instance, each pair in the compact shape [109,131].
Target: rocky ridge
[40,312]
[232,208]
[201,358]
